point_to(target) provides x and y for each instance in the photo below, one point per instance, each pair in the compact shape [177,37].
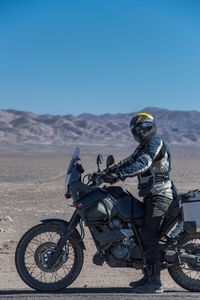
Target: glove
[111,178]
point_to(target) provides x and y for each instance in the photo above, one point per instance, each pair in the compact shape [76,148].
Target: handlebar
[97,178]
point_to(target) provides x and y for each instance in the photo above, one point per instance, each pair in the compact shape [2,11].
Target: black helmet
[143,127]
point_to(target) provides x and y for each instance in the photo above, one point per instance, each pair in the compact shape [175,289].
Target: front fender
[63,227]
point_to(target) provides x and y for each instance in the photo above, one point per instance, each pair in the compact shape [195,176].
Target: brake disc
[44,252]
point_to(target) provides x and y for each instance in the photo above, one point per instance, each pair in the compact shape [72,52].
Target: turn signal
[78,205]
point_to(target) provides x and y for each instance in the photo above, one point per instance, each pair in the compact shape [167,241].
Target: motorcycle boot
[141,282]
[153,285]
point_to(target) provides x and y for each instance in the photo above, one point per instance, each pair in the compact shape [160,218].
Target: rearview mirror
[99,160]
[110,161]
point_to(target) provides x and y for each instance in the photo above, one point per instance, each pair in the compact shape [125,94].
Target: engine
[117,242]
[117,238]
[121,250]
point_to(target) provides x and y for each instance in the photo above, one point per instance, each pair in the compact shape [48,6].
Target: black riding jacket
[151,162]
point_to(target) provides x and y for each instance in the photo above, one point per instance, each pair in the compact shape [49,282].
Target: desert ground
[32,188]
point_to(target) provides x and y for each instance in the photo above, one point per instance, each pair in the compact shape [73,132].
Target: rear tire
[32,254]
[186,275]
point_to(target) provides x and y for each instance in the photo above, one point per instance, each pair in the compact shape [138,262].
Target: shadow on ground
[102,290]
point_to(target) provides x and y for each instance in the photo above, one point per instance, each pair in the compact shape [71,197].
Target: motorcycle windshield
[72,174]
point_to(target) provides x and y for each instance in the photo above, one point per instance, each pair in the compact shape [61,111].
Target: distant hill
[22,128]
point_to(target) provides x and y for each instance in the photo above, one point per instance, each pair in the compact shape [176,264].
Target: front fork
[65,231]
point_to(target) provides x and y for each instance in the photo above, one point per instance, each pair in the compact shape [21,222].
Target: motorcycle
[49,256]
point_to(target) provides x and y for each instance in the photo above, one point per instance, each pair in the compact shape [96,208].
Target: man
[151,162]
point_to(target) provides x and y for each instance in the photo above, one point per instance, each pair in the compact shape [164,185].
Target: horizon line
[94,114]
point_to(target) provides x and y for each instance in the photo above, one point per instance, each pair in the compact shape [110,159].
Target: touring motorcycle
[49,256]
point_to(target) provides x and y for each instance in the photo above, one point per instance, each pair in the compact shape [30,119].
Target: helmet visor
[141,127]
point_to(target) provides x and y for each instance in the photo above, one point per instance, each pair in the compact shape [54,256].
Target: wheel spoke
[28,256]
[31,269]
[30,250]
[38,275]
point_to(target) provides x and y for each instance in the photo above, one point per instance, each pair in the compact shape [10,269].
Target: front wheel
[31,259]
[187,275]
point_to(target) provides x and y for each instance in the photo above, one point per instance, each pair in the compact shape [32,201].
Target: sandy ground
[32,188]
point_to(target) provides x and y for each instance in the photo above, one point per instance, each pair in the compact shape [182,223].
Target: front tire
[187,275]
[32,253]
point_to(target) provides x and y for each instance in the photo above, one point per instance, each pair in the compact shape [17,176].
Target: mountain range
[26,128]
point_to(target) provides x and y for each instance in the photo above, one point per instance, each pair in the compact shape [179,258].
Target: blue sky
[61,56]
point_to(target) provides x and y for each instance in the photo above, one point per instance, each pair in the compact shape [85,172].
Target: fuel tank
[129,207]
[99,205]
[96,206]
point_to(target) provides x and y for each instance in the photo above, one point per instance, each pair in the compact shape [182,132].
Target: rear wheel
[33,251]
[187,275]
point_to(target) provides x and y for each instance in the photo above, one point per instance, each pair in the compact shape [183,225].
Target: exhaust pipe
[172,257]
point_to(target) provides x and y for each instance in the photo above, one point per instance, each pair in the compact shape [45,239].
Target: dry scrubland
[32,188]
